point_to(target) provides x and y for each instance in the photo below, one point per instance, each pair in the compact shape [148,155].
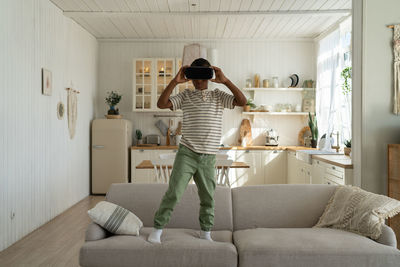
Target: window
[333,105]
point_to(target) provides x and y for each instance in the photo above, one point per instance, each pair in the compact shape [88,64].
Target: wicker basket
[114,116]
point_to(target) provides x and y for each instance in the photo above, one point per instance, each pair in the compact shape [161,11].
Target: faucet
[337,147]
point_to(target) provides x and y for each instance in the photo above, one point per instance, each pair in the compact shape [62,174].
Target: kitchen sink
[305,155]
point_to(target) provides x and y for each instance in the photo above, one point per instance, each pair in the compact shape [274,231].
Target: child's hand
[180,76]
[219,76]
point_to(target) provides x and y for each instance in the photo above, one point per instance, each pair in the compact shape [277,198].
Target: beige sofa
[267,225]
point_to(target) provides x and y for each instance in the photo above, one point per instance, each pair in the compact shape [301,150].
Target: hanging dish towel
[396,52]
[72,112]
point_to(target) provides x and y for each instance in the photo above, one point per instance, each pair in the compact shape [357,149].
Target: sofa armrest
[388,237]
[95,232]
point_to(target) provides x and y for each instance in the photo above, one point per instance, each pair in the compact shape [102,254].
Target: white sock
[154,236]
[205,235]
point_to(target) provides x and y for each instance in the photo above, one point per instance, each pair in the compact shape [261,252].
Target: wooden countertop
[337,160]
[293,148]
[146,164]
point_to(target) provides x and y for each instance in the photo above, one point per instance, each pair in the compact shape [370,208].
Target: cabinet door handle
[141,150]
[247,151]
[333,167]
[98,146]
[275,151]
[174,150]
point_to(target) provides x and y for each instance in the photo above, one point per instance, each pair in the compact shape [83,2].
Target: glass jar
[275,82]
[249,83]
[265,83]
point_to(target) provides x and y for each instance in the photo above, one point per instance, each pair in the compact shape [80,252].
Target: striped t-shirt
[202,117]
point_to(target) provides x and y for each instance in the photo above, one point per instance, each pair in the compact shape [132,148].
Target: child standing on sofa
[201,133]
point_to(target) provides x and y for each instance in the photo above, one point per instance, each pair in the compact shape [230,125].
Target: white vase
[178,139]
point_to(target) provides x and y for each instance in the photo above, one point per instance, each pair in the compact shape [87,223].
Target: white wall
[380,126]
[42,171]
[238,59]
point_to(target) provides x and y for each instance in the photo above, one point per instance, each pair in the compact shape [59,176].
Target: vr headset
[199,73]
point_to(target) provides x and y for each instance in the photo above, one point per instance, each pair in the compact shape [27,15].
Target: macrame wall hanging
[72,110]
[396,67]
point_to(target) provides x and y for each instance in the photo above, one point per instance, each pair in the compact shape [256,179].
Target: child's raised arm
[163,101]
[240,98]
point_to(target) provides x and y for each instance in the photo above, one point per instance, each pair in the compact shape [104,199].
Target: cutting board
[245,138]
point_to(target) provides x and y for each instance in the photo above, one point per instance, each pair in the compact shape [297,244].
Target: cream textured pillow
[115,219]
[358,211]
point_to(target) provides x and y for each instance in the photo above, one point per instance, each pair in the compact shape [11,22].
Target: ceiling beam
[95,14]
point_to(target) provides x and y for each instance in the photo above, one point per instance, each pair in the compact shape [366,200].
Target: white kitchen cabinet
[143,83]
[150,77]
[337,175]
[275,166]
[326,173]
[317,172]
[306,172]
[298,171]
[247,176]
[292,167]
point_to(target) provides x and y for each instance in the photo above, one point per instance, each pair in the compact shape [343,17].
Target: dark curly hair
[200,62]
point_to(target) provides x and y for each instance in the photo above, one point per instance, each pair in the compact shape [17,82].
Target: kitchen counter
[337,160]
[292,148]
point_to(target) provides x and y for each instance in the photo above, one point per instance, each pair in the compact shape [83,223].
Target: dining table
[146,164]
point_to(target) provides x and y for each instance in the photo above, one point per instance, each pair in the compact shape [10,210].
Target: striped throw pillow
[115,219]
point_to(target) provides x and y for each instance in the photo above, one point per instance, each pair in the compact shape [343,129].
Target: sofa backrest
[279,206]
[144,199]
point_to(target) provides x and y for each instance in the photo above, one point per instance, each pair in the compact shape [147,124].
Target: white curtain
[328,75]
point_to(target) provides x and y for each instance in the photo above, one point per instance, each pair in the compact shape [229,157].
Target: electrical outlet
[12,215]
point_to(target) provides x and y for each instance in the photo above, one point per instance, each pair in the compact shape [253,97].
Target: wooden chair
[222,177]
[162,172]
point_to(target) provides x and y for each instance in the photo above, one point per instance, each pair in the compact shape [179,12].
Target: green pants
[187,164]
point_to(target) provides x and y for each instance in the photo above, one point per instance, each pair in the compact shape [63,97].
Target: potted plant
[312,123]
[112,100]
[347,148]
[139,137]
[346,75]
[249,105]
[308,84]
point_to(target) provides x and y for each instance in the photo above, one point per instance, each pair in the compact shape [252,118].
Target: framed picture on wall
[47,82]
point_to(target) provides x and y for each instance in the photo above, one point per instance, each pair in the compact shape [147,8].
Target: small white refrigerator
[111,143]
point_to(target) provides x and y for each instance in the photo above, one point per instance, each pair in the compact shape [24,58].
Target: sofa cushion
[299,247]
[144,199]
[179,247]
[283,206]
[358,211]
[115,219]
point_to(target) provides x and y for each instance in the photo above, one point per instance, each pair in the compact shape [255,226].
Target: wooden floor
[56,243]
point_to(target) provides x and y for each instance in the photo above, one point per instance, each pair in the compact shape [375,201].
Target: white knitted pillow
[355,210]
[115,219]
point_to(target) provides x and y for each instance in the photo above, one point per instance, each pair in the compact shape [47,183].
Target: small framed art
[47,82]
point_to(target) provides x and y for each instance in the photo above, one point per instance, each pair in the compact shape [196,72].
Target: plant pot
[139,142]
[313,143]
[347,151]
[246,108]
[113,111]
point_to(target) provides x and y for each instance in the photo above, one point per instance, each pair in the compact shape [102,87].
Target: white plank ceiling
[205,19]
